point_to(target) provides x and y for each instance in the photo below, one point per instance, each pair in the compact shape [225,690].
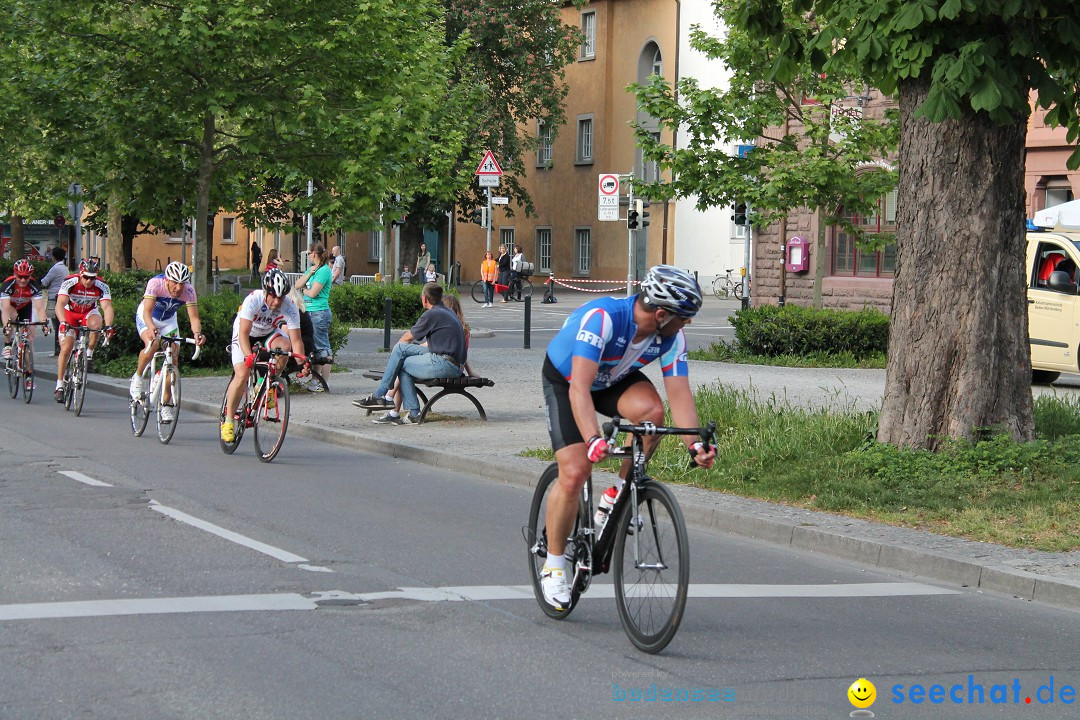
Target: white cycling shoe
[166,414]
[135,388]
[556,589]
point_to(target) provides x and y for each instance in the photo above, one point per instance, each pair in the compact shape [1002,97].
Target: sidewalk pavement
[454,438]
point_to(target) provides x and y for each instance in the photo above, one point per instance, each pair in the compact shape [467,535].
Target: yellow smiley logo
[862,693]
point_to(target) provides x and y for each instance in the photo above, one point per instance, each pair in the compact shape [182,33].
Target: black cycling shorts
[561,425]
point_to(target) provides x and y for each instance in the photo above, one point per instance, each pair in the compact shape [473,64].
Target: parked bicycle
[163,396]
[725,286]
[75,372]
[645,536]
[518,289]
[264,407]
[20,365]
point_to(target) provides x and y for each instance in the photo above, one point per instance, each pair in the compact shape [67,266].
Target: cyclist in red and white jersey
[260,320]
[77,304]
[21,297]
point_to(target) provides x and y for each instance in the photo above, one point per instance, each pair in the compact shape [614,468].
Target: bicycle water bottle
[603,508]
[155,385]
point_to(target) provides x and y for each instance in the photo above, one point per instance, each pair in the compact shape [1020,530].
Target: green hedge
[364,305]
[793,330]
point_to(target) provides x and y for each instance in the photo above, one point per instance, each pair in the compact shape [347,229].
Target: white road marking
[83,478]
[294,601]
[315,568]
[283,555]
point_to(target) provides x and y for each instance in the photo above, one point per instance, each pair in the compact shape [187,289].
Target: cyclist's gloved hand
[109,332]
[598,449]
[200,339]
[45,330]
[249,361]
[63,328]
[701,455]
[305,371]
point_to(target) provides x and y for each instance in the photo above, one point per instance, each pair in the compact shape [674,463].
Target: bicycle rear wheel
[271,419]
[720,287]
[652,568]
[79,380]
[170,379]
[28,372]
[140,409]
[478,292]
[12,375]
[536,538]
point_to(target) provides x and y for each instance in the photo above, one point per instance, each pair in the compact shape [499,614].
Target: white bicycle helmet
[670,288]
[177,272]
[275,282]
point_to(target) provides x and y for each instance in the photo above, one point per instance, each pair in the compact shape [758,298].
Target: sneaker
[315,386]
[388,419]
[373,403]
[6,355]
[58,394]
[135,388]
[556,590]
[228,431]
[166,415]
[411,419]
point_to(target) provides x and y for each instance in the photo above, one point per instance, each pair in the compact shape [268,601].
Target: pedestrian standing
[489,273]
[256,260]
[504,272]
[337,273]
[51,282]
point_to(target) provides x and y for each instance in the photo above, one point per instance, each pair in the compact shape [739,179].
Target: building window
[588,35]
[657,62]
[375,249]
[228,228]
[506,237]
[1058,191]
[582,251]
[849,260]
[543,249]
[543,151]
[585,139]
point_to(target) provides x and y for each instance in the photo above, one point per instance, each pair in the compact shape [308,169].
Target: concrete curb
[920,562]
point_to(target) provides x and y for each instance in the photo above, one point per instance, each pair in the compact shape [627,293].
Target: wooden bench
[447,386]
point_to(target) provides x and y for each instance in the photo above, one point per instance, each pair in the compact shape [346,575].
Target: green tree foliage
[804,156]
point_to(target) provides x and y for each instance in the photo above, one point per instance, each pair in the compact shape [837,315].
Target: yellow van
[1053,256]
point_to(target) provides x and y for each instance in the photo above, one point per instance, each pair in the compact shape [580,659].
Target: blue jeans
[489,292]
[409,363]
[320,330]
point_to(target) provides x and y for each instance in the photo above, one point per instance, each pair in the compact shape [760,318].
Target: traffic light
[633,216]
[740,216]
[480,216]
[643,213]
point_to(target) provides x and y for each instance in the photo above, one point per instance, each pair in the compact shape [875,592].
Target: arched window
[650,62]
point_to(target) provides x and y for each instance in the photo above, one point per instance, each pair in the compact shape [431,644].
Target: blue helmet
[666,287]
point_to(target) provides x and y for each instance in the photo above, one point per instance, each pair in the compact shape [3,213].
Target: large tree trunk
[115,257]
[959,361]
[18,243]
[202,250]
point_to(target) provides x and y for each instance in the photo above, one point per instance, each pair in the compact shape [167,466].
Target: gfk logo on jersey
[591,338]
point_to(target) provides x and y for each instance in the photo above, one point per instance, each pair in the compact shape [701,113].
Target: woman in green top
[314,285]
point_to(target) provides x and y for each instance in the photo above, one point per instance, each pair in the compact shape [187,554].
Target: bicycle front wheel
[271,419]
[28,372]
[69,381]
[536,538]
[170,380]
[478,292]
[140,408]
[238,425]
[652,568]
[79,379]
[719,287]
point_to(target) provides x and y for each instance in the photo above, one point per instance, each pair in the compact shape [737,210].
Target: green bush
[364,305]
[793,330]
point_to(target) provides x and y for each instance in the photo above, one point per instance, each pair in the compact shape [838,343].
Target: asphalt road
[177,582]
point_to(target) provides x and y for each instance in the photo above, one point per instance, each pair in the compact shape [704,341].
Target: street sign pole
[488,218]
[630,240]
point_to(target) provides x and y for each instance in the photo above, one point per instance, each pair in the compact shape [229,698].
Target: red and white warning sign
[607,204]
[489,165]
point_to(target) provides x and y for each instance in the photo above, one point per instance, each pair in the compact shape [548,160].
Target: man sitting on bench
[443,357]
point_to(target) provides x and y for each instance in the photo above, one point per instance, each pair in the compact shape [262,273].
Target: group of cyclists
[267,316]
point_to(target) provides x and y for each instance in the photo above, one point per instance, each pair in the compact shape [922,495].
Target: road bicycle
[644,542]
[19,368]
[264,406]
[157,383]
[724,286]
[75,372]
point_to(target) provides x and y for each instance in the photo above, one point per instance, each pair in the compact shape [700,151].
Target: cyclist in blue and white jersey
[260,319]
[593,365]
[155,316]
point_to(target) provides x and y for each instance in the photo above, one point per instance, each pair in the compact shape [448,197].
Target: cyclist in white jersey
[260,319]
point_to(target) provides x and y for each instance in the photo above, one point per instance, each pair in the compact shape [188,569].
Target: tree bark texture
[203,247]
[959,361]
[115,257]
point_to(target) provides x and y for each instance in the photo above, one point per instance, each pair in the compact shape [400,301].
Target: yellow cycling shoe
[271,399]
[228,432]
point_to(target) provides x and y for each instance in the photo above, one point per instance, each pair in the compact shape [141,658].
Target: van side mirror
[1060,281]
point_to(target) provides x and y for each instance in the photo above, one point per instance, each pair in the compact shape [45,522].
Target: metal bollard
[389,306]
[528,320]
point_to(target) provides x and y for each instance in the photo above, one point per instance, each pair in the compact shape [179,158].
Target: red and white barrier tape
[621,286]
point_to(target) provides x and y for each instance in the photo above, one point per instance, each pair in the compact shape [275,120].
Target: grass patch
[1017,494]
[721,351]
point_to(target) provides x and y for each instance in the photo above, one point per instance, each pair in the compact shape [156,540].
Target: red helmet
[23,268]
[88,266]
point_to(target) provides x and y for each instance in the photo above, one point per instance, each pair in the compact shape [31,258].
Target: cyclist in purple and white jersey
[156,316]
[593,365]
[260,319]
